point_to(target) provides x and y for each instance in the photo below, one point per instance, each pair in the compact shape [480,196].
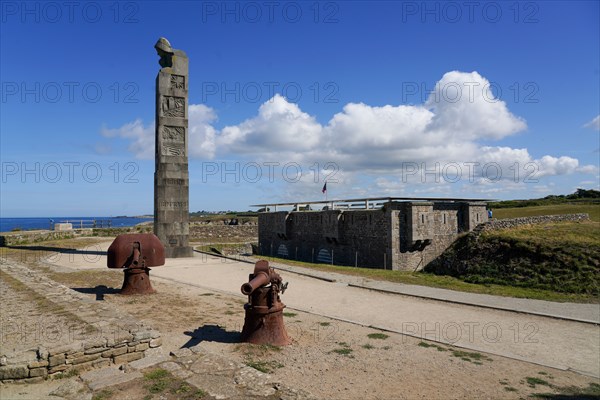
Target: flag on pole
[324,190]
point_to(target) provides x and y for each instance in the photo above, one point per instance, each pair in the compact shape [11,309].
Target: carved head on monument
[165,51]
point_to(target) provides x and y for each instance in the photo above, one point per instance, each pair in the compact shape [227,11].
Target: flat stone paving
[556,343]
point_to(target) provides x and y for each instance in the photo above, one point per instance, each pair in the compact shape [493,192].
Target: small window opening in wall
[422,218]
[444,219]
[477,217]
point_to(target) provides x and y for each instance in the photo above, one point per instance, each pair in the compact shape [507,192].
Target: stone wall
[399,236]
[36,364]
[541,219]
[219,232]
[31,237]
[97,336]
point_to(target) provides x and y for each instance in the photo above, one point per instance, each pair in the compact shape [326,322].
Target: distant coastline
[46,223]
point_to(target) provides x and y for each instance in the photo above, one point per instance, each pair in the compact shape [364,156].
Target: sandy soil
[333,359]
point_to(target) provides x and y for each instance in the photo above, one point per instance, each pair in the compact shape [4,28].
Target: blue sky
[438,99]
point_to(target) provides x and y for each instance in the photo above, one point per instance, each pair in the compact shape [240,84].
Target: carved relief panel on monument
[177,82]
[173,106]
[173,133]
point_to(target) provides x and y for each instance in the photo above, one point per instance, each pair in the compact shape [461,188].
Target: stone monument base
[179,252]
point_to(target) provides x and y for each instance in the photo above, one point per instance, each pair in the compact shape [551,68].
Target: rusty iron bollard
[264,311]
[135,253]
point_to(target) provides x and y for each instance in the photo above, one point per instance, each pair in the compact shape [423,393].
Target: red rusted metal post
[135,253]
[264,311]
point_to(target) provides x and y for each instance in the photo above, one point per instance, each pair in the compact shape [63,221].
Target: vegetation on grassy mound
[581,196]
[562,257]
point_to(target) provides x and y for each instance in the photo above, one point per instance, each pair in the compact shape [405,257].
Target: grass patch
[324,323]
[344,351]
[289,314]
[264,366]
[532,381]
[555,261]
[427,345]
[161,382]
[473,357]
[67,374]
[378,335]
[103,395]
[442,281]
[368,346]
[158,380]
[510,389]
[572,392]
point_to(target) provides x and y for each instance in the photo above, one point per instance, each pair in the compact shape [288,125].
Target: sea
[26,224]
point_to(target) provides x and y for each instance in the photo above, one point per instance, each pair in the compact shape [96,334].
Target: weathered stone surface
[94,343]
[14,372]
[83,359]
[38,372]
[37,379]
[59,368]
[37,364]
[128,357]
[100,379]
[70,389]
[42,353]
[151,357]
[183,352]
[101,363]
[67,349]
[23,357]
[115,352]
[56,360]
[171,178]
[155,342]
[140,335]
[95,350]
[121,337]
[75,355]
[142,347]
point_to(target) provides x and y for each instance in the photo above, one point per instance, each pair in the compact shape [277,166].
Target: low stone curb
[109,337]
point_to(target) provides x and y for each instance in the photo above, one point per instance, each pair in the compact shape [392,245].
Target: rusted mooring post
[135,253]
[264,311]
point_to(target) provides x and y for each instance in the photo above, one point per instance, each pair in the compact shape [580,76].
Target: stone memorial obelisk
[171,178]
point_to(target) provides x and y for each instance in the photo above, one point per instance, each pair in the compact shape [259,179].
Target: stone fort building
[392,233]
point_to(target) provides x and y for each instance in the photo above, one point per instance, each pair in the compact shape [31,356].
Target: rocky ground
[328,359]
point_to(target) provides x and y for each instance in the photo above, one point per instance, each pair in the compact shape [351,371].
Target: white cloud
[594,124]
[141,137]
[465,108]
[279,126]
[202,134]
[380,141]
